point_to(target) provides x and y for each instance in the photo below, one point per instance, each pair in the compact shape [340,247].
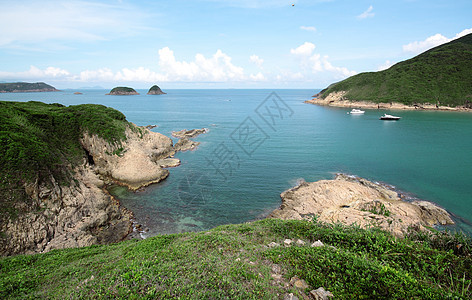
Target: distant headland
[438,79]
[26,87]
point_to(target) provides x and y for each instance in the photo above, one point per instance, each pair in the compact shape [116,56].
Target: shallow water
[261,142]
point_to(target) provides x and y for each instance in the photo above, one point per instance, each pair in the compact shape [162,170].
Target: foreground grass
[234,261]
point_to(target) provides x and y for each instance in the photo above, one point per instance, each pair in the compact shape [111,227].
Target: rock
[168,162]
[287,242]
[155,90]
[290,296]
[184,144]
[318,243]
[184,133]
[273,244]
[354,200]
[321,294]
[122,90]
[300,242]
[298,283]
[150,126]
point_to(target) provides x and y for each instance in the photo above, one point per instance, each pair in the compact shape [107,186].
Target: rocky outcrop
[155,90]
[134,163]
[122,91]
[80,212]
[353,200]
[184,133]
[184,144]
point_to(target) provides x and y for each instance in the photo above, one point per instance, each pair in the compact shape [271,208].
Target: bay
[261,142]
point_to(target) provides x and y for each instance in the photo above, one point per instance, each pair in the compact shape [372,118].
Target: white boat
[356,111]
[389,118]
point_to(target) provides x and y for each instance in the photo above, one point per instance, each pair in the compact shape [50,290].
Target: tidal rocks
[184,133]
[122,90]
[354,200]
[155,90]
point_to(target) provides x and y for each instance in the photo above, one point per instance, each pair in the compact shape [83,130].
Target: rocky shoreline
[338,99]
[353,200]
[82,212]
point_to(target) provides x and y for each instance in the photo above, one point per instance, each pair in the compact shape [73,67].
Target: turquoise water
[244,162]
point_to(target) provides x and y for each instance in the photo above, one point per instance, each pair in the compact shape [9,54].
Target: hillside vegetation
[441,76]
[250,261]
[18,87]
[41,140]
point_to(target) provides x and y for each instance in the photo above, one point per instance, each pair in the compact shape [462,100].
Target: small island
[155,90]
[122,90]
[26,87]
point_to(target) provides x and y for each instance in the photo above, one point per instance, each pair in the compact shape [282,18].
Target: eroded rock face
[80,214]
[352,200]
[135,163]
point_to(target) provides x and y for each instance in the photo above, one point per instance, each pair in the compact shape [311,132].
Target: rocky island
[56,164]
[352,200]
[155,90]
[25,87]
[438,79]
[122,90]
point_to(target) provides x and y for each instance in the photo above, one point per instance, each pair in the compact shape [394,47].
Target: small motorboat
[356,111]
[389,118]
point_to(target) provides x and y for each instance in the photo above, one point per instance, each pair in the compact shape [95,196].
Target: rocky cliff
[81,212]
[353,200]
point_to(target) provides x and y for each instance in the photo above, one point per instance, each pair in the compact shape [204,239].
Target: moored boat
[356,111]
[389,118]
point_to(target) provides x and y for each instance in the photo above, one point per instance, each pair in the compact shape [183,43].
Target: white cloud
[304,50]
[387,64]
[316,63]
[308,28]
[36,73]
[32,22]
[216,68]
[432,41]
[258,77]
[256,60]
[367,14]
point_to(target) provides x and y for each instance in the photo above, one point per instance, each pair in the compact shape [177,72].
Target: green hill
[39,139]
[22,87]
[250,261]
[442,74]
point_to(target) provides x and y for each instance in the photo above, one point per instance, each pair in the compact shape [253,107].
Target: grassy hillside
[40,140]
[25,87]
[441,74]
[235,262]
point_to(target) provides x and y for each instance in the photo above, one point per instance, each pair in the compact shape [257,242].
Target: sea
[261,142]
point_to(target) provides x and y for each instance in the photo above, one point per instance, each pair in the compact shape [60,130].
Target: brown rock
[350,200]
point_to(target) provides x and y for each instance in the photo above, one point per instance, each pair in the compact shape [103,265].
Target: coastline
[337,99]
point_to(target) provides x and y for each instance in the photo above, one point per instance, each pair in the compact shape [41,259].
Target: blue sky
[217,43]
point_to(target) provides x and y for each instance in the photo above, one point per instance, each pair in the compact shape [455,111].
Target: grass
[441,74]
[234,262]
[39,140]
